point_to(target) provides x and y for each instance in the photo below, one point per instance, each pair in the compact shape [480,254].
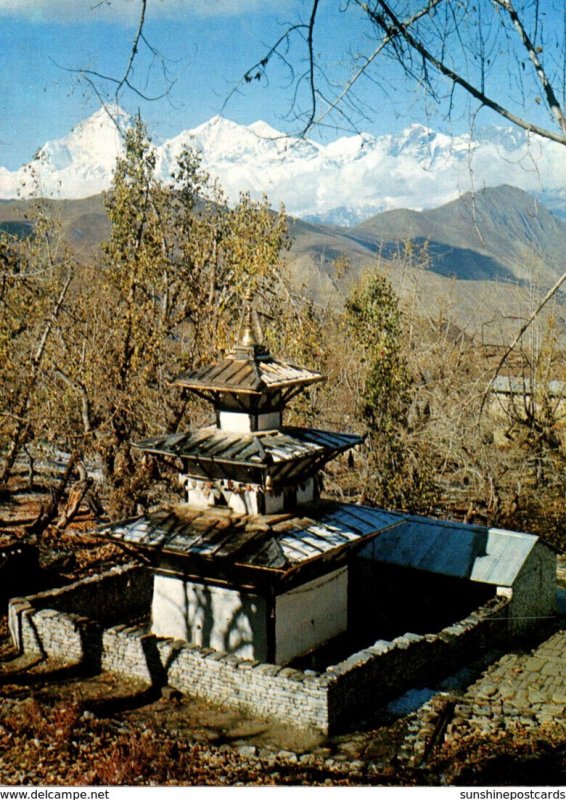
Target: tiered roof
[281,453]
[251,373]
[250,383]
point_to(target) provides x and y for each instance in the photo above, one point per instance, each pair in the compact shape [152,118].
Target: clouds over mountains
[343,182]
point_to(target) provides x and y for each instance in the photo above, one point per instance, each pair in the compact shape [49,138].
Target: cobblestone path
[519,689]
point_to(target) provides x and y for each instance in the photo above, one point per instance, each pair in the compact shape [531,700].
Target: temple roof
[486,555]
[247,371]
[275,452]
[249,368]
[279,542]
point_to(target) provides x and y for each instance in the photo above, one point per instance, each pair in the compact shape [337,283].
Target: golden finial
[248,335]
[250,346]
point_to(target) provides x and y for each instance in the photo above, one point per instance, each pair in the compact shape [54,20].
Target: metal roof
[278,541]
[285,541]
[261,449]
[257,374]
[486,555]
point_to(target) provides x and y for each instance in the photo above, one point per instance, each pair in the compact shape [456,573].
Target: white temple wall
[200,498]
[306,492]
[242,502]
[245,498]
[210,616]
[274,502]
[239,422]
[310,615]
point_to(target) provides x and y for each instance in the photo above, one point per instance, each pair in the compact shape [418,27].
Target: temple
[256,592]
[253,562]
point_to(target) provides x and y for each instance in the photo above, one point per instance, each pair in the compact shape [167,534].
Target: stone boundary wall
[57,622]
[308,699]
[386,669]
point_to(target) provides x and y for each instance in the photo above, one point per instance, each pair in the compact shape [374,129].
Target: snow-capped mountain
[342,182]
[78,165]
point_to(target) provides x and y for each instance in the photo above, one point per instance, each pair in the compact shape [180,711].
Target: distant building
[515,399]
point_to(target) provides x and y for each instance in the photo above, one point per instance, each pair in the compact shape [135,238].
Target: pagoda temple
[253,562]
[256,564]
[253,565]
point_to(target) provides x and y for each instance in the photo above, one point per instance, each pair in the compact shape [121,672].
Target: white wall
[239,422]
[210,616]
[310,615]
[203,494]
[306,492]
[200,498]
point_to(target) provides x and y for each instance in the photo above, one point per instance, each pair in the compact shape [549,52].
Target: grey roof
[283,542]
[256,375]
[507,384]
[261,449]
[277,541]
[486,555]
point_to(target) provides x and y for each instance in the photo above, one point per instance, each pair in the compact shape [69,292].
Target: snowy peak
[98,138]
[343,182]
[78,165]
[221,140]
[426,145]
[265,131]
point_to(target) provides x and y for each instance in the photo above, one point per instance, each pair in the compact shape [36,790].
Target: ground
[500,721]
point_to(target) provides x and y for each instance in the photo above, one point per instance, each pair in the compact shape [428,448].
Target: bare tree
[507,55]
[502,54]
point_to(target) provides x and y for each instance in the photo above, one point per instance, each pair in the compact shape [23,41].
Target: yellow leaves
[256,236]
[167,293]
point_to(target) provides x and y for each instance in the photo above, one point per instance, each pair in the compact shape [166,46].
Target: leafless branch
[312,83]
[368,61]
[94,78]
[259,69]
[389,22]
[550,95]
[125,81]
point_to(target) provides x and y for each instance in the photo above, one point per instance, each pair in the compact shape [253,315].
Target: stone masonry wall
[56,622]
[307,699]
[386,669]
[266,690]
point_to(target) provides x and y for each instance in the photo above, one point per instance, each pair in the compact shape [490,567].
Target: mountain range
[343,183]
[488,222]
[488,256]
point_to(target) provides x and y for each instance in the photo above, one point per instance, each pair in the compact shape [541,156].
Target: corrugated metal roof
[506,384]
[247,375]
[261,449]
[278,541]
[486,555]
[506,552]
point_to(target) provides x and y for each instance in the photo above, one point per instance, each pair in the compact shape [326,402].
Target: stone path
[524,690]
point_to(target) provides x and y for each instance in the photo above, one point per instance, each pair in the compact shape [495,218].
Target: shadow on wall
[210,616]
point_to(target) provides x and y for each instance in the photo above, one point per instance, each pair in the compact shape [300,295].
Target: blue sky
[208,45]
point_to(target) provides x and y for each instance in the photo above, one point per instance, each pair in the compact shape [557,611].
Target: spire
[249,334]
[249,346]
